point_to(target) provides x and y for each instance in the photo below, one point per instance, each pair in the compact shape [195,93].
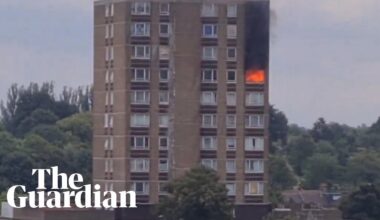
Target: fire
[255,76]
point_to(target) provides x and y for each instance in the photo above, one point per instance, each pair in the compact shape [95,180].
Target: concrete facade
[130,121]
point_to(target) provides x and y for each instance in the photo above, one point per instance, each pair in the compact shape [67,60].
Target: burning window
[255,76]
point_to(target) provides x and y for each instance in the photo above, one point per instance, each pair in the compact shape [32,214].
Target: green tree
[282,177]
[321,168]
[278,126]
[78,127]
[321,131]
[37,117]
[299,150]
[364,168]
[197,195]
[363,204]
[51,133]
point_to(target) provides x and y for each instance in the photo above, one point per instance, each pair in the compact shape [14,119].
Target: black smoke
[257,32]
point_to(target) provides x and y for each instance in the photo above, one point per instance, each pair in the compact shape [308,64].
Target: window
[164,52]
[231,53]
[109,77]
[140,8]
[109,98]
[209,142]
[209,10]
[231,189]
[164,143]
[210,163]
[163,188]
[209,53]
[232,11]
[231,143]
[164,29]
[230,166]
[254,166]
[109,53]
[140,120]
[108,121]
[231,98]
[231,121]
[139,165]
[141,52]
[254,143]
[254,188]
[210,31]
[141,188]
[231,31]
[254,121]
[109,143]
[140,75]
[164,75]
[109,10]
[164,8]
[231,76]
[209,76]
[140,29]
[208,98]
[108,187]
[163,165]
[163,120]
[140,97]
[140,142]
[209,121]
[109,31]
[254,99]
[163,97]
[108,166]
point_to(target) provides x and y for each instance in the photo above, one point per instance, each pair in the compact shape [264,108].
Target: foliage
[321,168]
[25,106]
[197,195]
[278,126]
[364,167]
[39,131]
[282,177]
[363,204]
[299,150]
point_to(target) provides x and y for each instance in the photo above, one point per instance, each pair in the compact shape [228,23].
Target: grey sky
[325,54]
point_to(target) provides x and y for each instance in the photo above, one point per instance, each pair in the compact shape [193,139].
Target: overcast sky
[325,54]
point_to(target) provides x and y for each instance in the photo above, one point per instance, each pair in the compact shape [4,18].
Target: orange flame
[255,76]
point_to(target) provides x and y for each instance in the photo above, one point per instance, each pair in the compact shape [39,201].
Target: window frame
[135,165]
[251,119]
[146,119]
[145,139]
[146,6]
[213,143]
[136,33]
[213,120]
[165,12]
[162,34]
[228,101]
[214,31]
[146,49]
[134,74]
[145,186]
[212,162]
[135,95]
[213,55]
[258,145]
[213,73]
[234,58]
[229,169]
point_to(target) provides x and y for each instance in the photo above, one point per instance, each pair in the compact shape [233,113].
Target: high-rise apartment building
[177,84]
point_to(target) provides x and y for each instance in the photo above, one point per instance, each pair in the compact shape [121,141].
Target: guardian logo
[66,189]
